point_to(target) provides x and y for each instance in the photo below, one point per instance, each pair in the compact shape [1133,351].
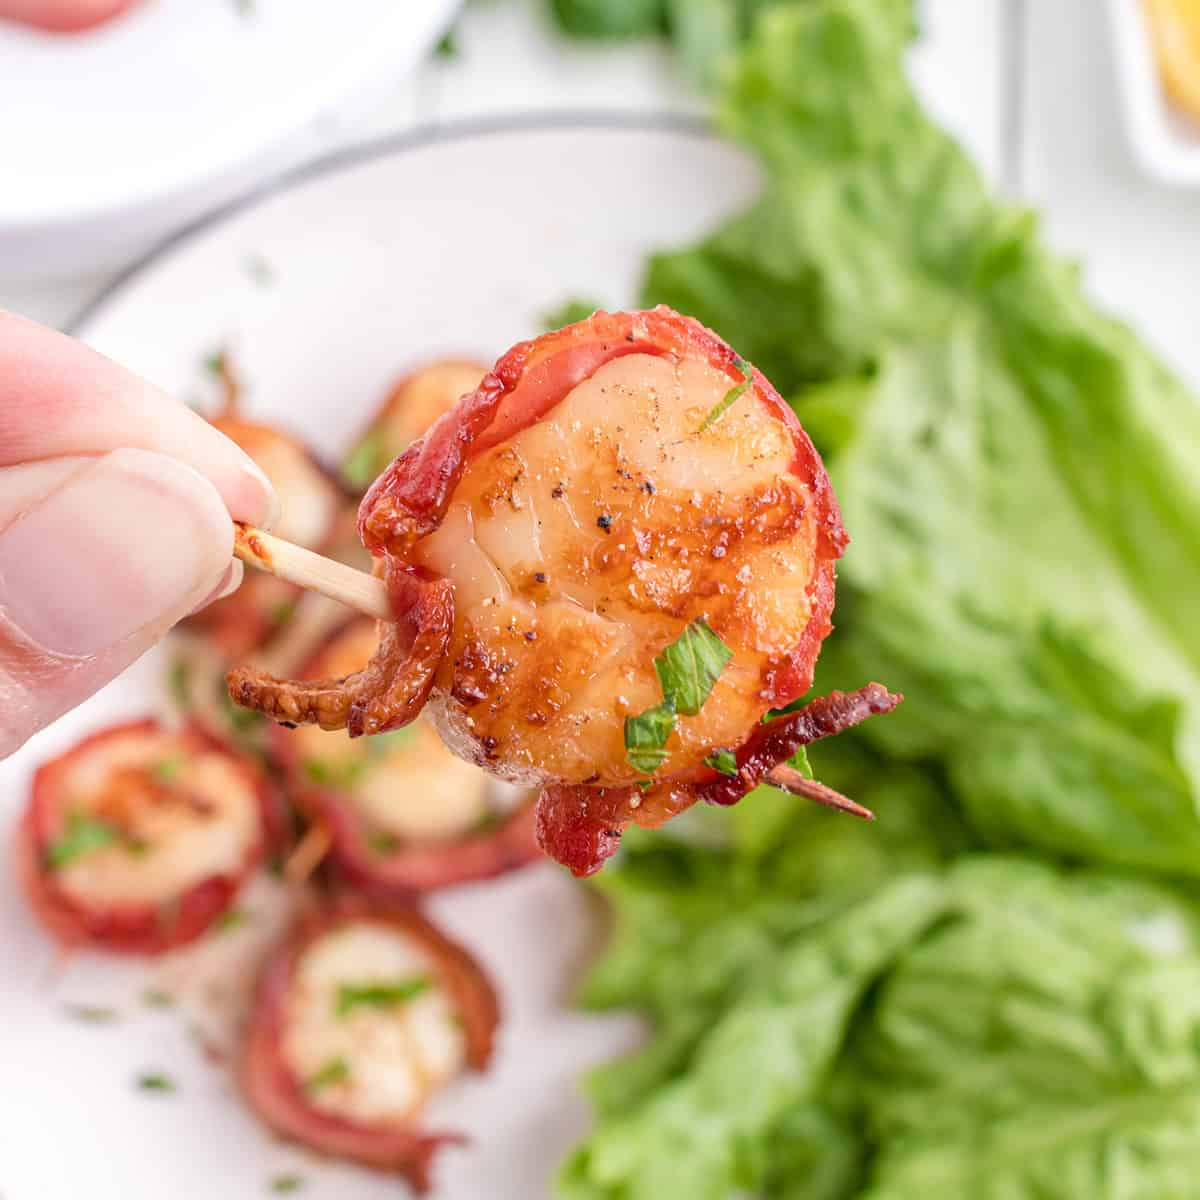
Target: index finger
[60,398]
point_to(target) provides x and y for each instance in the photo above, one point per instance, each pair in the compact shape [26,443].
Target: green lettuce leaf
[1045,1044]
[1016,470]
[706,1132]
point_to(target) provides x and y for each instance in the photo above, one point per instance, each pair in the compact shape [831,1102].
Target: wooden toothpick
[313,572]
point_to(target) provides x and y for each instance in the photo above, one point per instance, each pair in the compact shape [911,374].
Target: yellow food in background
[1175,31]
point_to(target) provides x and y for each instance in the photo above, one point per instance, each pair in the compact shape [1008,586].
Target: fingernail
[229,583]
[131,542]
[268,499]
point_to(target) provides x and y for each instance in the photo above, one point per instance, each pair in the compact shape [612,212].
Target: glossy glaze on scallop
[605,490]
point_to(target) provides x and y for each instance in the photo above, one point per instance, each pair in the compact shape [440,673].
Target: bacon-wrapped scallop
[402,813]
[413,404]
[138,838]
[310,502]
[610,565]
[359,1019]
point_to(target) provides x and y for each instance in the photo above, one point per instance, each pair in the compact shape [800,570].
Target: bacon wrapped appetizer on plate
[413,404]
[610,566]
[359,1019]
[403,814]
[138,838]
[311,502]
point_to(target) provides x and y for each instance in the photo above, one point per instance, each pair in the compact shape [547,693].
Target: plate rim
[393,145]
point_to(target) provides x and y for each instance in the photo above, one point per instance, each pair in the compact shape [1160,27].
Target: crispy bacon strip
[577,823]
[279,1098]
[581,827]
[135,929]
[390,690]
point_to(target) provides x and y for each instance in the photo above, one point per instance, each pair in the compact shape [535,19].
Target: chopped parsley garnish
[347,774]
[233,918]
[155,998]
[214,363]
[688,668]
[395,739]
[723,761]
[799,761]
[286,1183]
[488,821]
[282,612]
[151,1081]
[91,1014]
[383,843]
[379,994]
[336,1070]
[731,397]
[167,770]
[448,46]
[179,682]
[83,835]
[365,461]
[326,774]
[646,736]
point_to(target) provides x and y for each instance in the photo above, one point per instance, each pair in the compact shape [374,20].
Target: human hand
[62,16]
[115,521]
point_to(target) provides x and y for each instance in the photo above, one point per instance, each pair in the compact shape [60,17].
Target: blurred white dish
[323,290]
[111,137]
[1165,142]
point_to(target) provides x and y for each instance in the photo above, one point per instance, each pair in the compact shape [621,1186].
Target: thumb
[98,558]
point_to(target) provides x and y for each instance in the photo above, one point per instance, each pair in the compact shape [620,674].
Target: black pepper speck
[604,521]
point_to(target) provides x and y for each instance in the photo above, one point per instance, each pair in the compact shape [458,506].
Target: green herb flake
[488,821]
[282,612]
[167,770]
[233,918]
[723,761]
[179,682]
[448,46]
[379,994]
[646,736]
[689,667]
[383,843]
[152,1081]
[214,364]
[730,398]
[365,461]
[90,1014]
[336,1070]
[799,761]
[156,998]
[382,744]
[83,835]
[283,1184]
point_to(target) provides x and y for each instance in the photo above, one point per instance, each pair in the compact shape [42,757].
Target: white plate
[323,291]
[1165,142]
[110,137]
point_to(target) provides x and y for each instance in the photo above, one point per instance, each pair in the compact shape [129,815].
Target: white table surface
[1028,85]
